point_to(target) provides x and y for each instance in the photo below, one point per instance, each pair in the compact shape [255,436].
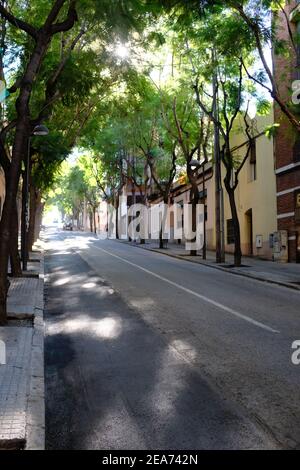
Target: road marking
[189,291]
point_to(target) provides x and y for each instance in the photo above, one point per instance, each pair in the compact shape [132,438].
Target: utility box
[259,241]
[280,246]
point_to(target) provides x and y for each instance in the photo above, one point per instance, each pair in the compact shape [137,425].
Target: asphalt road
[144,351]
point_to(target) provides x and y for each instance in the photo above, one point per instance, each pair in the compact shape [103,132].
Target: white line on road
[189,291]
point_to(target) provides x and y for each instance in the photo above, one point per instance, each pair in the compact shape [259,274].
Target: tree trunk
[95,222]
[194,223]
[32,216]
[161,240]
[15,260]
[163,222]
[142,240]
[194,201]
[12,183]
[38,218]
[117,216]
[236,226]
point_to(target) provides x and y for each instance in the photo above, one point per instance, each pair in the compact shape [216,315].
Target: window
[203,194]
[230,232]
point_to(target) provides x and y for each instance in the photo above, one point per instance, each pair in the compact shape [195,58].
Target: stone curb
[220,268]
[35,413]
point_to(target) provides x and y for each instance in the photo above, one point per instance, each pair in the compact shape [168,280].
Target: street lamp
[194,165]
[40,130]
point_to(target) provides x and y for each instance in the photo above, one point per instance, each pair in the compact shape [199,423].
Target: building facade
[255,196]
[287,140]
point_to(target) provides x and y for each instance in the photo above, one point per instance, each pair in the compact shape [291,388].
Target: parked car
[68,226]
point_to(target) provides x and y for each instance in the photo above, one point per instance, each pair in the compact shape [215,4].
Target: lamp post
[220,243]
[42,131]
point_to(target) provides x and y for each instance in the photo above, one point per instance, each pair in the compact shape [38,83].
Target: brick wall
[286,203]
[288,180]
[285,73]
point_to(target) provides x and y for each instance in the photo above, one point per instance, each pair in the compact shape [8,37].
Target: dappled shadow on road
[113,382]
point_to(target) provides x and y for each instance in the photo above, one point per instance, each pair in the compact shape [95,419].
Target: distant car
[68,226]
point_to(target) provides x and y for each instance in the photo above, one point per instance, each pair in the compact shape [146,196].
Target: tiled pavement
[22,377]
[14,385]
[23,295]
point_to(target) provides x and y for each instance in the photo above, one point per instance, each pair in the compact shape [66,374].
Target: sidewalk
[284,274]
[22,377]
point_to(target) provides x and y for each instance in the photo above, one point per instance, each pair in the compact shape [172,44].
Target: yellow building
[255,195]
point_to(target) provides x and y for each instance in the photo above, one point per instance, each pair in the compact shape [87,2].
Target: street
[144,351]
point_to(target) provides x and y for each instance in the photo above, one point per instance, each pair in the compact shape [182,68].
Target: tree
[211,52]
[41,37]
[265,31]
[47,156]
[90,188]
[45,64]
[261,22]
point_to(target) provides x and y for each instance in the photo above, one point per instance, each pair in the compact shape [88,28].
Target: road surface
[144,351]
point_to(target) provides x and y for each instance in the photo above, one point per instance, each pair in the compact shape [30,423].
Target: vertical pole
[222,223]
[204,221]
[220,247]
[217,173]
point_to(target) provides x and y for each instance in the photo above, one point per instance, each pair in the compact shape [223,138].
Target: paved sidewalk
[23,296]
[285,274]
[14,386]
[22,377]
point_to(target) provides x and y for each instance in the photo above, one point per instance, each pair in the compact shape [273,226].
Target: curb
[220,268]
[35,413]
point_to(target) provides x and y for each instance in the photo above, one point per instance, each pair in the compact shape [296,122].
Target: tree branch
[256,31]
[4,160]
[69,21]
[23,25]
[54,13]
[288,25]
